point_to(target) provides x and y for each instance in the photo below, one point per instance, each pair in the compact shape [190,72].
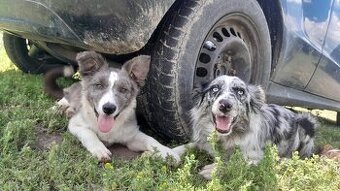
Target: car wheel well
[273,14]
[148,48]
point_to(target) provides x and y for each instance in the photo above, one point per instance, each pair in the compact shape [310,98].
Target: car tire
[18,52]
[182,60]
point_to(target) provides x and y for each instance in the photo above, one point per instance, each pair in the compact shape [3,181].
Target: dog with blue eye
[241,118]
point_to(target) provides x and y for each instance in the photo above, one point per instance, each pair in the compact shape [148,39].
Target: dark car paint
[113,27]
[306,48]
[308,27]
[326,79]
[300,49]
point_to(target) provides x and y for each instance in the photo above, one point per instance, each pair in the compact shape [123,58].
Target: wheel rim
[37,54]
[231,47]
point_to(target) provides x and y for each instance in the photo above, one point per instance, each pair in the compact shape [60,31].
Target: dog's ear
[257,96]
[138,68]
[196,95]
[90,62]
[199,92]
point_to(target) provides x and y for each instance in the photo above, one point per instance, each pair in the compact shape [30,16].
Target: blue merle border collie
[242,119]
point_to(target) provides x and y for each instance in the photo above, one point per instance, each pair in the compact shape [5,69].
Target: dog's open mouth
[223,123]
[105,122]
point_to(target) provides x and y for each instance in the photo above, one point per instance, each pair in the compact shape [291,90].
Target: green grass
[27,163]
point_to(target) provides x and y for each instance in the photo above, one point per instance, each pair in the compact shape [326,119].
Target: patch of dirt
[45,139]
[120,151]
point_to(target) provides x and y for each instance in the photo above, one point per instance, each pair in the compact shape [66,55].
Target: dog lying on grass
[241,118]
[103,103]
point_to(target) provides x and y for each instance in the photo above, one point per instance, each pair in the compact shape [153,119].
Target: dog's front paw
[62,105]
[70,112]
[101,152]
[207,170]
[180,150]
[165,152]
[174,155]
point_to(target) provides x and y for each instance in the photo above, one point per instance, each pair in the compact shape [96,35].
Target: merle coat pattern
[241,118]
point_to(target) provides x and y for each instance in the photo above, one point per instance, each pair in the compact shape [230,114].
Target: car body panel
[283,95]
[301,44]
[326,80]
[113,27]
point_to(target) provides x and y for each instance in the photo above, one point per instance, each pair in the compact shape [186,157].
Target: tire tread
[163,80]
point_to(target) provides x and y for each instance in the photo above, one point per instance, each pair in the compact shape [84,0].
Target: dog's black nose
[225,106]
[109,108]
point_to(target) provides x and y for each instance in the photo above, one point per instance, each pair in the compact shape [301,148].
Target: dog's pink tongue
[105,123]
[223,123]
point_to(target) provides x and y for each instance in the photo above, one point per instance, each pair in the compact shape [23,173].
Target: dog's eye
[240,91]
[122,90]
[99,85]
[215,89]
